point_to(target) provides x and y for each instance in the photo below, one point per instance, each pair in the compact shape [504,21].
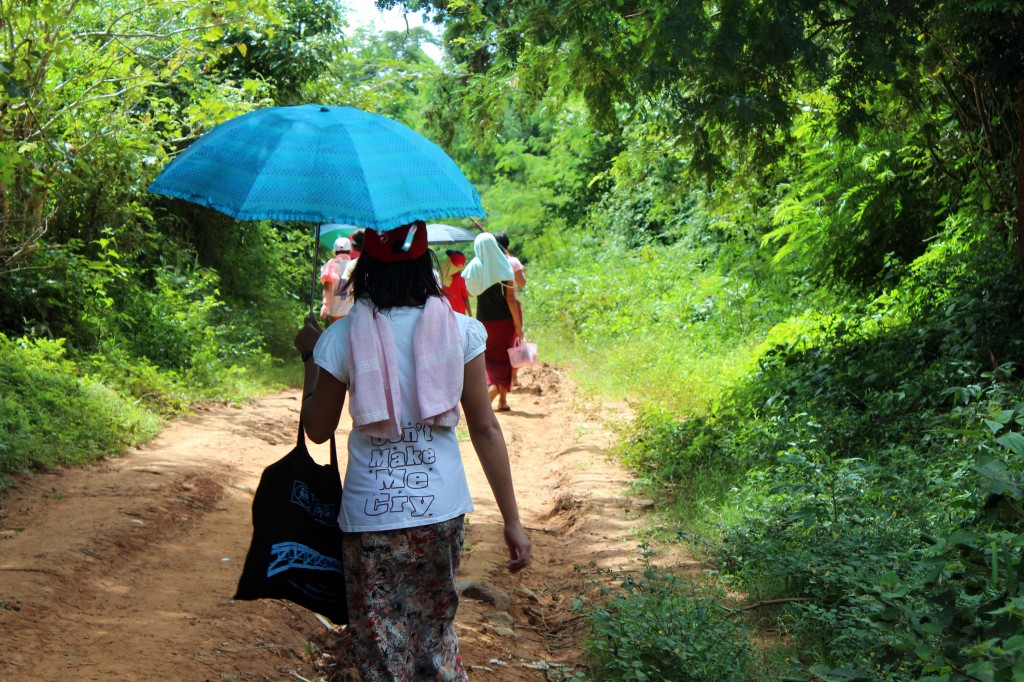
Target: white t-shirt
[419,479]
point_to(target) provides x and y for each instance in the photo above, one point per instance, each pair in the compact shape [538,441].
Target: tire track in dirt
[124,570]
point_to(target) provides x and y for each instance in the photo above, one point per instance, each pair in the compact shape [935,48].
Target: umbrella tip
[324,109]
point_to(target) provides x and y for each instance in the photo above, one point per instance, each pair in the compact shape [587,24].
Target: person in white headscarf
[490,278]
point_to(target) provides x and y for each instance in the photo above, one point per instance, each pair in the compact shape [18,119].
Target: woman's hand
[518,546]
[308,335]
[489,443]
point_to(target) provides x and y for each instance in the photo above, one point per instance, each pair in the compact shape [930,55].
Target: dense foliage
[790,233]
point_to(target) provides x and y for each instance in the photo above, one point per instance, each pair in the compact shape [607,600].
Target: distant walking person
[453,283]
[337,301]
[517,266]
[520,282]
[357,248]
[489,277]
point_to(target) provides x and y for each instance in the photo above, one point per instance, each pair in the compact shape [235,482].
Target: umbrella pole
[312,289]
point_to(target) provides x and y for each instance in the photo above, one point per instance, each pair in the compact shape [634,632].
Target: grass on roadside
[55,411]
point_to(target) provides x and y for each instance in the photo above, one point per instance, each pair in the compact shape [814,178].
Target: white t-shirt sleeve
[331,349]
[474,337]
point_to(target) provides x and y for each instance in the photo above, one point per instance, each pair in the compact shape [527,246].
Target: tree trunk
[1020,171]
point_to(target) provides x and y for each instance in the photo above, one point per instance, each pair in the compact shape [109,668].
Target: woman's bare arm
[513,307]
[489,443]
[328,292]
[323,395]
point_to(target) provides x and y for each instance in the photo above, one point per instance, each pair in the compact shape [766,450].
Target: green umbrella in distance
[331,231]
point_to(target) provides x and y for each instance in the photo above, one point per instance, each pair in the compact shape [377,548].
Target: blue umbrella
[322,165]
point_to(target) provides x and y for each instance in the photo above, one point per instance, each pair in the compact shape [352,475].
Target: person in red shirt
[453,284]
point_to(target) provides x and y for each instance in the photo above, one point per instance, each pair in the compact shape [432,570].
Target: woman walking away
[405,486]
[519,280]
[489,277]
[336,299]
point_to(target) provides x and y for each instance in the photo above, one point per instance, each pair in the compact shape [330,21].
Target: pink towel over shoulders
[375,399]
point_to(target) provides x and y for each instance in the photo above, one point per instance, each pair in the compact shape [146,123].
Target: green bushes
[909,555]
[667,451]
[263,276]
[654,317]
[870,473]
[659,627]
[51,415]
[144,352]
[181,325]
[863,466]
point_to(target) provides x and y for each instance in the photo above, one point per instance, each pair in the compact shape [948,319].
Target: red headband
[394,245]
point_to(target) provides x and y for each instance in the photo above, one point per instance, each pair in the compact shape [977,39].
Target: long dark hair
[393,285]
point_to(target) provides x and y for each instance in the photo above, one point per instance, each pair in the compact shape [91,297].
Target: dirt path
[124,570]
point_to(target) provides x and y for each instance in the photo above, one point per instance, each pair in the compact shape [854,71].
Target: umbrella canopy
[439,233]
[331,231]
[320,164]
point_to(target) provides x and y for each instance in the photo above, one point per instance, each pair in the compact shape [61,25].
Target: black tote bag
[295,552]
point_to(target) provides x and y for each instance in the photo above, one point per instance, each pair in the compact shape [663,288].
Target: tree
[386,73]
[287,50]
[81,85]
[726,78]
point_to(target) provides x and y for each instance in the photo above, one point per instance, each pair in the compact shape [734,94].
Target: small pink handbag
[522,353]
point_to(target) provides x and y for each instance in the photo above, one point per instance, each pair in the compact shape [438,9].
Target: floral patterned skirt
[402,602]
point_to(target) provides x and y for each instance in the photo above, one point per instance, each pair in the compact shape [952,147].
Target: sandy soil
[124,570]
